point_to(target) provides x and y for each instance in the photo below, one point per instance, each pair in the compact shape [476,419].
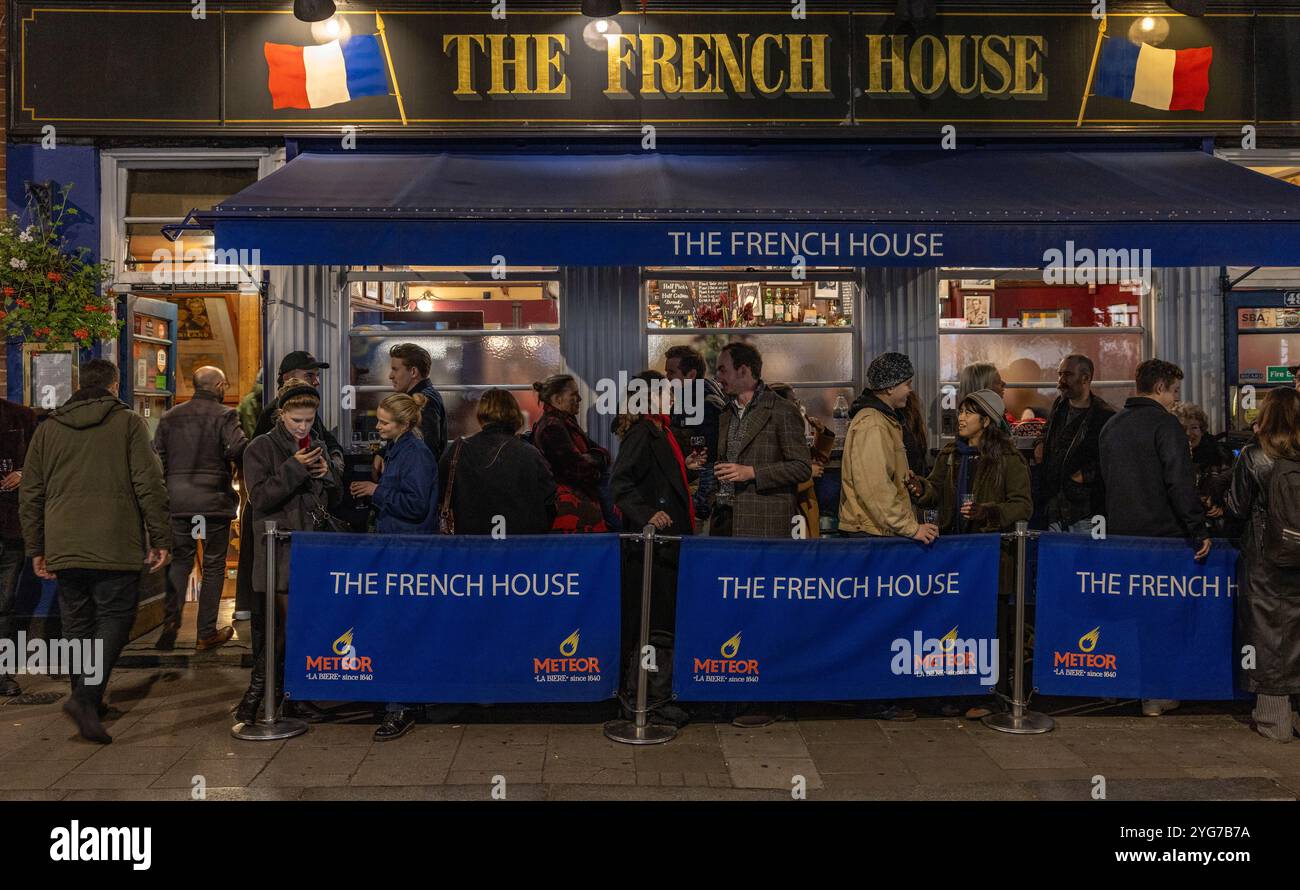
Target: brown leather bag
[446,516]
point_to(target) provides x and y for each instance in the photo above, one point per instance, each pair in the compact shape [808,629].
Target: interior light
[332,28]
[1148,23]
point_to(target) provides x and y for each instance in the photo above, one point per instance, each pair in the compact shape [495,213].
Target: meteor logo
[344,664]
[570,667]
[946,656]
[728,668]
[1086,662]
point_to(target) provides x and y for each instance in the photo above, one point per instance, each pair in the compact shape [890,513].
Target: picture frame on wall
[976,310]
[388,293]
[1044,318]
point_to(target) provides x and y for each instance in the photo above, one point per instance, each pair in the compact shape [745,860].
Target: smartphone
[303,443]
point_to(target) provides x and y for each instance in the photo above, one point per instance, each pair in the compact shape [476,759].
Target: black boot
[251,703]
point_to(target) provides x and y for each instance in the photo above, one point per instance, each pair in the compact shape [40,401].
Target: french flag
[334,72]
[1168,79]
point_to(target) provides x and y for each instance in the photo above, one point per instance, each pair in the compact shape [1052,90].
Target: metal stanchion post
[271,726]
[639,731]
[1020,720]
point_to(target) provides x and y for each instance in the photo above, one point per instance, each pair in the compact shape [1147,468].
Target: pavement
[172,741]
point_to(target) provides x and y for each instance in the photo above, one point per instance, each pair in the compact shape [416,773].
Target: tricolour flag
[1168,79]
[316,76]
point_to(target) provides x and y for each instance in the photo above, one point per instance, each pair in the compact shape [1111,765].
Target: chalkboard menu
[712,293]
[675,298]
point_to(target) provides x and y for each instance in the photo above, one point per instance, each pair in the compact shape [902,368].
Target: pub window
[1025,327]
[481,333]
[161,196]
[804,329]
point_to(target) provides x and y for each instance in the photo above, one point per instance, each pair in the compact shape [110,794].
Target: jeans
[214,571]
[97,607]
[11,564]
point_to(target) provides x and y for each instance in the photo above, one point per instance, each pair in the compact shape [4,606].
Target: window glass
[1033,356]
[1007,304]
[777,303]
[787,358]
[174,191]
[472,360]
[1256,353]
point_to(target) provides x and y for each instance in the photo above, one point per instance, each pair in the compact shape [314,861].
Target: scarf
[966,455]
[664,420]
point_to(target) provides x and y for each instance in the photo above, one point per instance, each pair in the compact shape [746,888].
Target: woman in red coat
[577,462]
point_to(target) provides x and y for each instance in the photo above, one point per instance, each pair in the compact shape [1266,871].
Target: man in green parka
[93,507]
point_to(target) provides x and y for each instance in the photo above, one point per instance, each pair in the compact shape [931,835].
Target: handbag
[322,520]
[447,516]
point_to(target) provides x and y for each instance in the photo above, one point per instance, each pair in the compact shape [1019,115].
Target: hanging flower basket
[50,291]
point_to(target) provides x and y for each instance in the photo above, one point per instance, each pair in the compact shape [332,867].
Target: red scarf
[663,421]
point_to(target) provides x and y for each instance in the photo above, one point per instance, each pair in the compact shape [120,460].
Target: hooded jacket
[93,495]
[873,494]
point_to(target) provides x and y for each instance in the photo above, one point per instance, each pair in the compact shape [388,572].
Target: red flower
[54,276]
[81,334]
[2,314]
[22,304]
[41,332]
[9,291]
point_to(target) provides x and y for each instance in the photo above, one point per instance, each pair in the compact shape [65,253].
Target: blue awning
[860,206]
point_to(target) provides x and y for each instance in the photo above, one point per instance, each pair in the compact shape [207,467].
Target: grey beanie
[888,370]
[990,403]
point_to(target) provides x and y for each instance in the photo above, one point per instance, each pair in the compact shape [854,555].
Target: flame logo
[949,640]
[731,647]
[570,645]
[1088,641]
[343,643]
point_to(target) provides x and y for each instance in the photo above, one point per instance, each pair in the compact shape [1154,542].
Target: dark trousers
[244,595]
[214,571]
[97,607]
[11,563]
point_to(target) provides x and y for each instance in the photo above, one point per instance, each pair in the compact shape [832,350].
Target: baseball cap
[300,360]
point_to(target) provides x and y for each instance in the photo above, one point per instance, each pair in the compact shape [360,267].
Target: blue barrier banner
[409,618]
[764,620]
[1134,618]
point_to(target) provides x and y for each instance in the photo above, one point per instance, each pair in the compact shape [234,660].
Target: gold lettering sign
[990,65]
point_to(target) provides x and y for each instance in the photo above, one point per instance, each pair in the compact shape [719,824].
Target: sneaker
[1154,707]
[396,724]
[9,687]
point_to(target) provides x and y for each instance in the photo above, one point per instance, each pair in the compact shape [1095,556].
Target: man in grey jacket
[197,443]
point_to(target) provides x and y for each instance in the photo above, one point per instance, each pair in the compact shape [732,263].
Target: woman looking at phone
[290,481]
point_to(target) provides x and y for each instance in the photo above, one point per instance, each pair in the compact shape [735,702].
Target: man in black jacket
[408,372]
[197,443]
[1071,484]
[1147,467]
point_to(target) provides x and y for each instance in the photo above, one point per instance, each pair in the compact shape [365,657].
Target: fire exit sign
[1278,374]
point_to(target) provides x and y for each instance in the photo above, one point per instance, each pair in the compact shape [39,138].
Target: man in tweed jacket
[762,453]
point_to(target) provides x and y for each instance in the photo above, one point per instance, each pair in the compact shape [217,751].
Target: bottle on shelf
[769,305]
[840,418]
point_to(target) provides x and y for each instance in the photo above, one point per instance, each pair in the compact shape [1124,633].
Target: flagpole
[392,72]
[1092,69]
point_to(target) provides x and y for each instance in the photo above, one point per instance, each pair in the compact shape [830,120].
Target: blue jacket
[406,500]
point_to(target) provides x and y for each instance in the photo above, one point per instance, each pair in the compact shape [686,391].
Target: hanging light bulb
[333,28]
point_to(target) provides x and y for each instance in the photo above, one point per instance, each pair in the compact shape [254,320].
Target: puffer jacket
[197,442]
[1268,607]
[281,489]
[873,493]
[92,495]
